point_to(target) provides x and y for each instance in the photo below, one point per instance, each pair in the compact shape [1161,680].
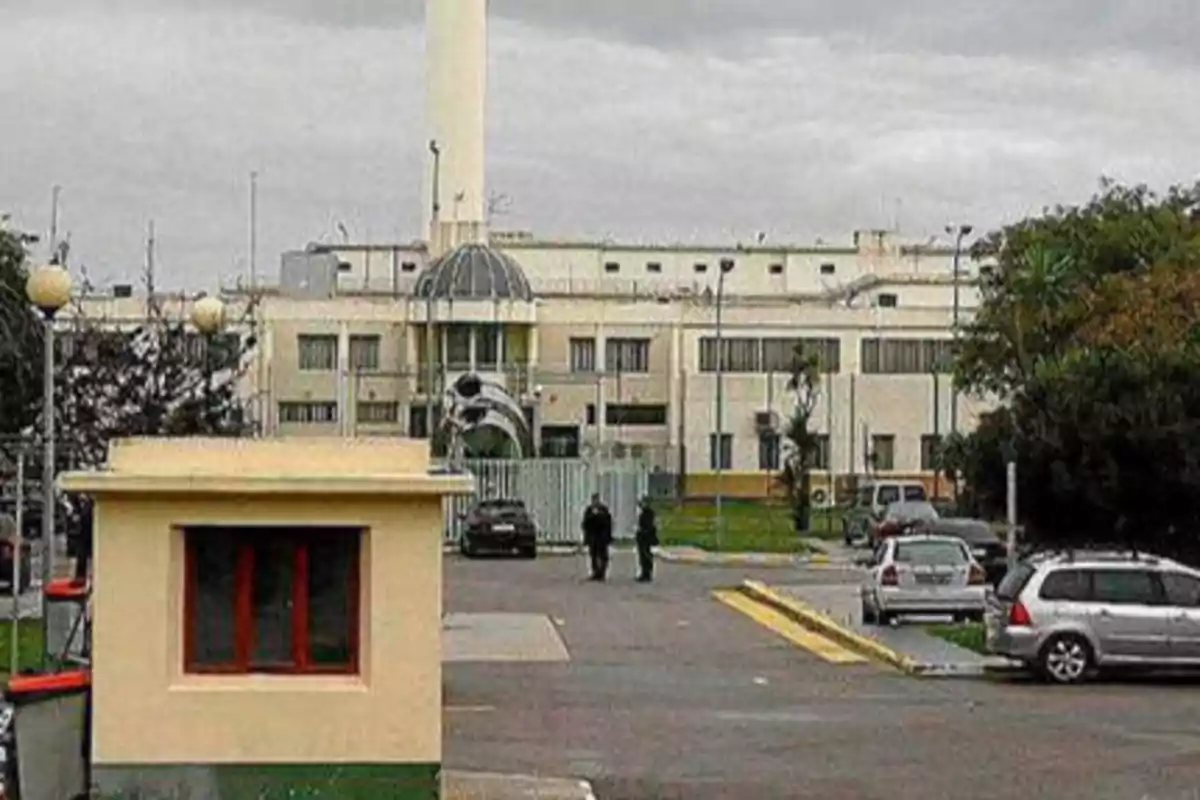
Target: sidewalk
[834,611]
[824,554]
[487,786]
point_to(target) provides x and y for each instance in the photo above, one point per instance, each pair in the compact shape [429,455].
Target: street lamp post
[959,232]
[208,315]
[49,290]
[726,266]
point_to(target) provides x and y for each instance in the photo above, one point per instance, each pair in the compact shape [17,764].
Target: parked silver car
[1066,614]
[922,575]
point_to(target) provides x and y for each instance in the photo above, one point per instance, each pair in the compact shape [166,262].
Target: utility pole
[55,191]
[959,233]
[726,266]
[149,268]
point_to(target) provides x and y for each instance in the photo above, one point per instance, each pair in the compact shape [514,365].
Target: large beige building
[611,349]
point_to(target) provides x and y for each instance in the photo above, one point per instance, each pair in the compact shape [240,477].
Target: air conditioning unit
[765,421]
[821,497]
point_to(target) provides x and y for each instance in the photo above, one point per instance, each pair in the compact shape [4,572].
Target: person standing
[647,539]
[597,535]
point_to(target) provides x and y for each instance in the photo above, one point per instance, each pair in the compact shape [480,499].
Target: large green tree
[20,339]
[1088,335]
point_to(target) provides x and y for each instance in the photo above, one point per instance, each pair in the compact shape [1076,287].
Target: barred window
[317,353]
[583,355]
[376,412]
[883,452]
[308,413]
[364,353]
[907,356]
[931,452]
[627,355]
[754,355]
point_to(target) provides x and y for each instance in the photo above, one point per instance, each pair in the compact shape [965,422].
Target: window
[458,347]
[277,600]
[1066,585]
[775,269]
[768,451]
[738,355]
[931,452]
[591,413]
[883,452]
[560,441]
[820,454]
[636,415]
[906,356]
[888,301]
[308,413]
[1124,586]
[374,412]
[487,347]
[583,355]
[778,355]
[418,424]
[612,267]
[364,353]
[828,269]
[317,353]
[700,268]
[720,456]
[889,495]
[345,266]
[408,266]
[654,267]
[627,355]
[930,553]
[1182,589]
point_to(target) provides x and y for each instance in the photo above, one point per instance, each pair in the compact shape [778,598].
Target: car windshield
[498,505]
[915,493]
[888,495]
[977,533]
[930,553]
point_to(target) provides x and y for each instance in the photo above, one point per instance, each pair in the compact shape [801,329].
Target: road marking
[792,631]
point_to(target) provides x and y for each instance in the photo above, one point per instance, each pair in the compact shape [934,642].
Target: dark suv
[499,526]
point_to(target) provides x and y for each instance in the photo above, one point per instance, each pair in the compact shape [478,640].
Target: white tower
[456,82]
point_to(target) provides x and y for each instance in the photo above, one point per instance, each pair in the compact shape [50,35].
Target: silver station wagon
[1067,614]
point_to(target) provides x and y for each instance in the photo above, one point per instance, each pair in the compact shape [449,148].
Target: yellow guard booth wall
[159,730]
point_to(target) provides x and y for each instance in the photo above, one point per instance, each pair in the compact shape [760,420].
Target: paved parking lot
[671,694]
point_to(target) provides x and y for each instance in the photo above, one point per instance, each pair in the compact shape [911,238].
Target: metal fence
[556,491]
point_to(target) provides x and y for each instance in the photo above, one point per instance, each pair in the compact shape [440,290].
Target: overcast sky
[638,119]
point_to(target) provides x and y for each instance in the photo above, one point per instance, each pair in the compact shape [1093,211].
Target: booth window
[271,600]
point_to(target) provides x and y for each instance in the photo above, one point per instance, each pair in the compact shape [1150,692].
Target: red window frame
[243,609]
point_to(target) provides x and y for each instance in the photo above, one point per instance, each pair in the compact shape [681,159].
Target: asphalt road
[671,695]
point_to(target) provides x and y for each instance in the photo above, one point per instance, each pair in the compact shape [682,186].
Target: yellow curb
[781,624]
[819,558]
[821,623]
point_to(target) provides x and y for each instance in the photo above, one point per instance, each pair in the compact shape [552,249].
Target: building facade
[612,349]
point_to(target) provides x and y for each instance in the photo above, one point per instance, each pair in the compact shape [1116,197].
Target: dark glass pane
[271,600]
[214,555]
[332,565]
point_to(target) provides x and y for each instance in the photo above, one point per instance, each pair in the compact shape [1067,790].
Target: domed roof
[474,272]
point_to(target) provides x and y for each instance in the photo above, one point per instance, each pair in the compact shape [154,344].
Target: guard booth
[267,619]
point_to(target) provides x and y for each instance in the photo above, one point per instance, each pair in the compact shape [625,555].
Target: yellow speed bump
[795,633]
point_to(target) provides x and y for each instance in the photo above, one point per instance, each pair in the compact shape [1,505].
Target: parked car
[871,502]
[922,575]
[1068,614]
[499,526]
[900,519]
[987,547]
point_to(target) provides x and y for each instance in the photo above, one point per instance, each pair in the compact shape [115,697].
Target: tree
[156,377]
[20,339]
[800,450]
[1087,333]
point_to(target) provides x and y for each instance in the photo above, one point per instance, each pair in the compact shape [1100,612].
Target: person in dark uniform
[647,538]
[597,535]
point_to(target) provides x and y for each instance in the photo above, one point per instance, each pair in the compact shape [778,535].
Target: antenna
[148,278]
[253,229]
[54,193]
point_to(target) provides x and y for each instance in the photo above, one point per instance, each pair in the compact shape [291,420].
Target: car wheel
[1066,658]
[528,552]
[466,548]
[884,617]
[868,615]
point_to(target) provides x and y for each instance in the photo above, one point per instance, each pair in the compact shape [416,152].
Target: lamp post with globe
[49,290]
[208,315]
